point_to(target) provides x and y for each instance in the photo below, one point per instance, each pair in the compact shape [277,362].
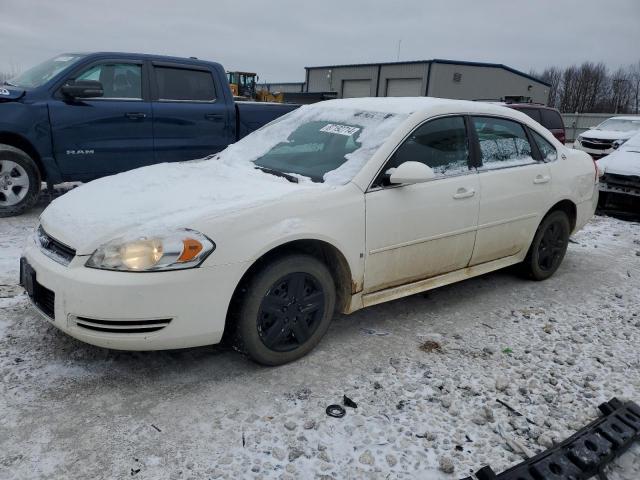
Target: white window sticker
[340,129]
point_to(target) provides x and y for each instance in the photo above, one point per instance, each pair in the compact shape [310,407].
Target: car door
[190,118]
[422,230]
[109,134]
[514,186]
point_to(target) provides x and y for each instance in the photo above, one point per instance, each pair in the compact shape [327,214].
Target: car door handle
[214,117]
[542,178]
[464,193]
[135,115]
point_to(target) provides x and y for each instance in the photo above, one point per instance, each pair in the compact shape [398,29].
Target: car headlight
[175,251]
[617,143]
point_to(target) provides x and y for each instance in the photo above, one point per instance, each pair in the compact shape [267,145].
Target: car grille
[44,299]
[596,143]
[622,180]
[54,249]
[122,326]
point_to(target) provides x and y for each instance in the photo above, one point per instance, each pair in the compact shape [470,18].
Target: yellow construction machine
[243,87]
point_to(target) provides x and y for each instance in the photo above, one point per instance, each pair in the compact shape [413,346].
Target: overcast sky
[277,39]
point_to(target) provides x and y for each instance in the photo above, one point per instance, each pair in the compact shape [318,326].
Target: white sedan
[333,207]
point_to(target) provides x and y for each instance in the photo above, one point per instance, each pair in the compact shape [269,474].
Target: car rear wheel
[549,246]
[19,181]
[287,309]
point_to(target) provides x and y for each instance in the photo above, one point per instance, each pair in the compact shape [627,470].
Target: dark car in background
[548,117]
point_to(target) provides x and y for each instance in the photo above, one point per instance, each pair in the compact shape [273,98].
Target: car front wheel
[19,181]
[286,310]
[549,246]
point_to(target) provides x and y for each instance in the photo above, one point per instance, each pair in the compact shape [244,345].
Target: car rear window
[184,84]
[552,120]
[532,112]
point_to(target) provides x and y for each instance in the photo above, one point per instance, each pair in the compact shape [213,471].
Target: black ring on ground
[336,411]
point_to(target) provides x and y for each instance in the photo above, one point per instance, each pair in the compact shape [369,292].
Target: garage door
[404,87]
[356,88]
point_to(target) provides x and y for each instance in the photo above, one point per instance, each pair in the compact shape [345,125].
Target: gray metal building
[434,78]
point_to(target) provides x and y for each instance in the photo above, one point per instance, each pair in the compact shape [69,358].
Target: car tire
[290,298]
[548,247]
[19,181]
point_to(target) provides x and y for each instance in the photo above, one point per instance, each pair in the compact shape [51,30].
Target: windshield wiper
[278,173]
[9,83]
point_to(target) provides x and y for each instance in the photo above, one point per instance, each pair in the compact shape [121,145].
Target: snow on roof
[407,105]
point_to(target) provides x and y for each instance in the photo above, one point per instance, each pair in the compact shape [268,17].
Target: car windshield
[620,124]
[328,145]
[313,149]
[45,71]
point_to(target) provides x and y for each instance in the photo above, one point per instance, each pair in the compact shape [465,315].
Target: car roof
[144,56]
[625,117]
[530,105]
[409,105]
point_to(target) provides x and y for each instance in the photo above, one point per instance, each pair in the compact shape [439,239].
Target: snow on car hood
[158,198]
[607,134]
[625,160]
[170,196]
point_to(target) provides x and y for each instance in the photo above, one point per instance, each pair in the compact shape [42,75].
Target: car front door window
[119,80]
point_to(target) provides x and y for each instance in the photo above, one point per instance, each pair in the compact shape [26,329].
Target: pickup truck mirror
[83,89]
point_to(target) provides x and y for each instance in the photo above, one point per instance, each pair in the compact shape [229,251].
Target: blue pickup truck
[78,117]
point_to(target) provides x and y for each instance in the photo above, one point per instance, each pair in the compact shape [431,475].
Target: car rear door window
[552,120]
[548,151]
[181,84]
[503,142]
[440,144]
[119,80]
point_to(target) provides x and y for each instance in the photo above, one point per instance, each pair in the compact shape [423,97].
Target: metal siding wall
[483,82]
[319,80]
[284,87]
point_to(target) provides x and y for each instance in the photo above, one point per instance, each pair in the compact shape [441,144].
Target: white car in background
[620,183]
[333,207]
[608,136]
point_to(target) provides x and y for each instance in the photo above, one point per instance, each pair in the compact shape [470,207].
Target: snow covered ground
[425,372]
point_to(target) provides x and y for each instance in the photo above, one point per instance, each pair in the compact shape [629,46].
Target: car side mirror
[410,173]
[82,89]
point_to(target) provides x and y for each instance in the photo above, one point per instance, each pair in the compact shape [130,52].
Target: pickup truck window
[43,72]
[120,80]
[185,85]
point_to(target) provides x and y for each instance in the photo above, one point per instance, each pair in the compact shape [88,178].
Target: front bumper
[133,311]
[584,454]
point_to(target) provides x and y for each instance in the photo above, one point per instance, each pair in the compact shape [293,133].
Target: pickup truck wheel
[19,181]
[287,310]
[548,247]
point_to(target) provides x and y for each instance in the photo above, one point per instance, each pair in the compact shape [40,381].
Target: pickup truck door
[109,134]
[191,118]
